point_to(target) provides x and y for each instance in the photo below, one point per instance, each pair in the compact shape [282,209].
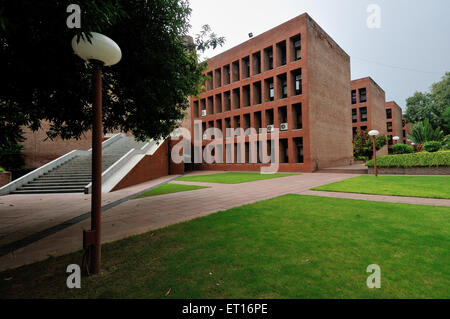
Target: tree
[432,106]
[363,146]
[423,132]
[146,93]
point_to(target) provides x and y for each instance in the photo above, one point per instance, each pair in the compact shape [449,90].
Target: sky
[407,53]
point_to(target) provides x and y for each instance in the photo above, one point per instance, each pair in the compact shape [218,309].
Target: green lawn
[232,177]
[414,186]
[292,246]
[169,188]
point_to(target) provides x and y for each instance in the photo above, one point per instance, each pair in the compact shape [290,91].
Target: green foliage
[432,146]
[11,157]
[146,93]
[433,105]
[232,177]
[169,189]
[363,146]
[446,120]
[402,149]
[1,170]
[268,249]
[423,159]
[361,158]
[411,186]
[424,132]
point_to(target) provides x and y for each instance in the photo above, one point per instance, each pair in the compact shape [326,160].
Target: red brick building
[394,123]
[368,104]
[293,77]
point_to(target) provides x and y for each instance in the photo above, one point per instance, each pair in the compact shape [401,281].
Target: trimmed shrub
[432,146]
[1,170]
[402,149]
[446,147]
[413,160]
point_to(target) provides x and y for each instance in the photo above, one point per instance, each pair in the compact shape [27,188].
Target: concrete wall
[328,75]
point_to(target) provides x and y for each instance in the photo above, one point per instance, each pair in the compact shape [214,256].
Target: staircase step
[43,191]
[56,183]
[50,187]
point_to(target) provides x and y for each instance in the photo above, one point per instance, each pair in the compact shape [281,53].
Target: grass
[232,177]
[422,159]
[414,186]
[292,246]
[168,189]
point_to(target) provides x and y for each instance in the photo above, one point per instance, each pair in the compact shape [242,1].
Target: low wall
[434,170]
[150,167]
[5,178]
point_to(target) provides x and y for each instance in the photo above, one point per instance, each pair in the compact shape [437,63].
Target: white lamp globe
[396,138]
[413,144]
[374,133]
[101,49]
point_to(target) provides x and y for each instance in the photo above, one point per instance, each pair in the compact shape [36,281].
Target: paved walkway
[141,215]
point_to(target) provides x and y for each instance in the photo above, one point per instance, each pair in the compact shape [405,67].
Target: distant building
[368,104]
[394,125]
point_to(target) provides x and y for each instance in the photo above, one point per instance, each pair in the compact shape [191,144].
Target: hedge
[423,159]
[1,170]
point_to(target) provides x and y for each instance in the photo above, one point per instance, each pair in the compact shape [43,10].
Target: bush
[446,147]
[432,146]
[361,158]
[402,149]
[412,160]
[1,170]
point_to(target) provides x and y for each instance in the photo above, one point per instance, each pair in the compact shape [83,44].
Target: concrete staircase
[73,175]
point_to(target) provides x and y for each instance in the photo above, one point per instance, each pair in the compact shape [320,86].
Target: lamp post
[374,133]
[414,146]
[101,51]
[396,138]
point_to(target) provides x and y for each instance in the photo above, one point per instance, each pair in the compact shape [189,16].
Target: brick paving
[141,215]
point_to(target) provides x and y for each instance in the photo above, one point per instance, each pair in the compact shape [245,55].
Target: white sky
[408,53]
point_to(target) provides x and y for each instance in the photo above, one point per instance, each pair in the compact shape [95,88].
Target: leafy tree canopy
[433,105]
[145,93]
[424,132]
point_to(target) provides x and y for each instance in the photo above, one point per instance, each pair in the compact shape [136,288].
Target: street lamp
[396,138]
[100,51]
[374,133]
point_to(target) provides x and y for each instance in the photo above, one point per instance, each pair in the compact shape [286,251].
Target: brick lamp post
[100,51]
[374,133]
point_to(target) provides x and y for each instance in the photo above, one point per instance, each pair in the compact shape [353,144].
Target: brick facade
[293,75]
[39,150]
[368,108]
[437,170]
[394,125]
[5,178]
